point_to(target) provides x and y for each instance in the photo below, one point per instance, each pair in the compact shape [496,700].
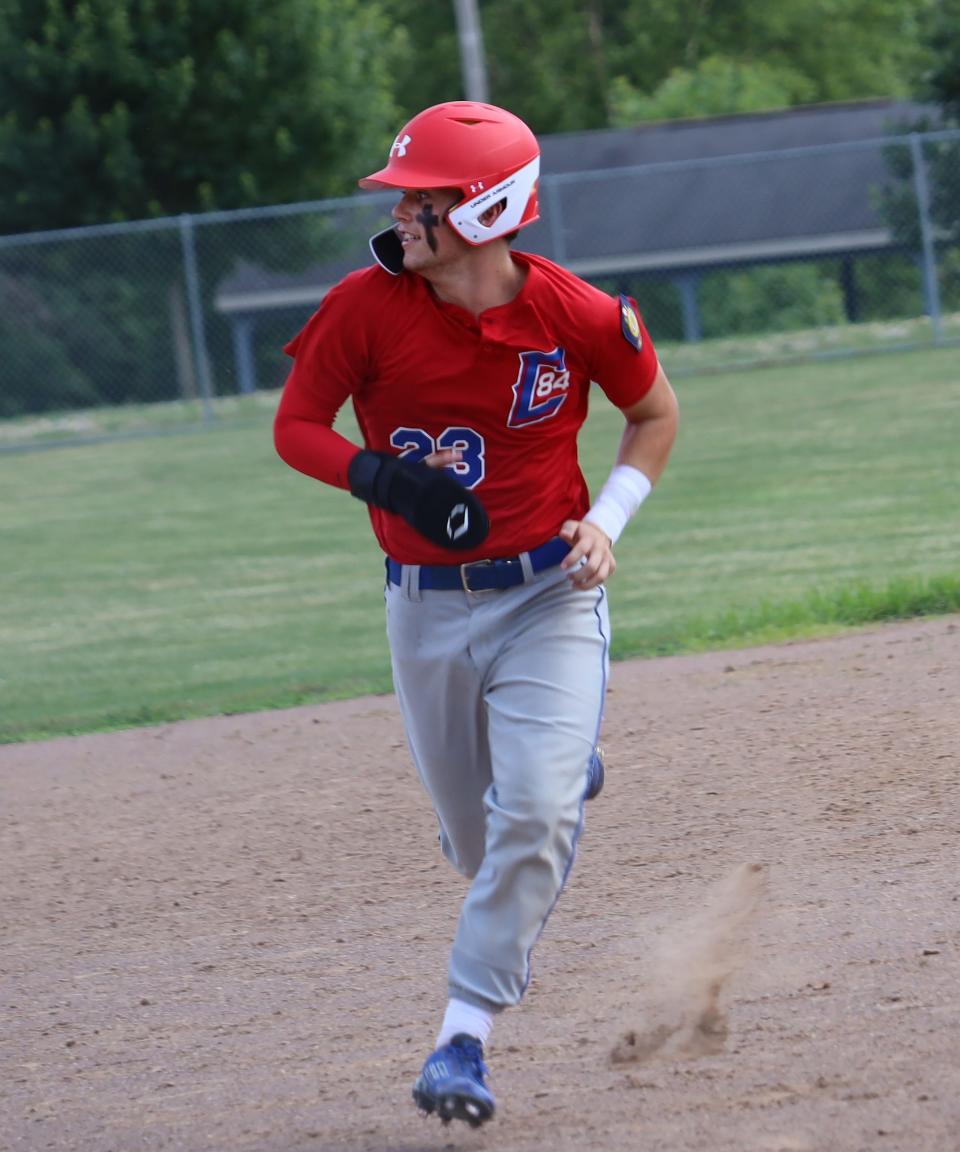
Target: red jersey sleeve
[330,361]
[624,359]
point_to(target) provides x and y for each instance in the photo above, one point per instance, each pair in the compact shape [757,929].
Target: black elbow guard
[429,499]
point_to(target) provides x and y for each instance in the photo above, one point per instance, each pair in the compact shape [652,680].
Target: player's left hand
[589,544]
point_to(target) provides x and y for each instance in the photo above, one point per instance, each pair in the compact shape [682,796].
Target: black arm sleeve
[429,499]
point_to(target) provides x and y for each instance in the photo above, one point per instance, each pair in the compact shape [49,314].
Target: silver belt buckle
[465,579]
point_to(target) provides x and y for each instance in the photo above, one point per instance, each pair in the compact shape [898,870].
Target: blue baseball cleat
[595,775]
[451,1083]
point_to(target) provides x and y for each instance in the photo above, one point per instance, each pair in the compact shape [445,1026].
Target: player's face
[427,239]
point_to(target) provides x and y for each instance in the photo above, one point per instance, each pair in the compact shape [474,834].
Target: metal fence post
[551,190]
[241,328]
[188,244]
[931,289]
[687,284]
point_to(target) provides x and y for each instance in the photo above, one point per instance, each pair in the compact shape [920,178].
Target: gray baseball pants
[502,697]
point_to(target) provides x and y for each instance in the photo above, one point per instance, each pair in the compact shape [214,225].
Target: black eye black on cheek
[430,221]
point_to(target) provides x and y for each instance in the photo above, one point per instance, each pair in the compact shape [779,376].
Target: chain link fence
[806,252]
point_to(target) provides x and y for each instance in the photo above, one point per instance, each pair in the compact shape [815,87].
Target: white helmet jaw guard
[516,189]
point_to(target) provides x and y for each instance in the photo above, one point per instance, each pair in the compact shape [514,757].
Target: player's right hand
[443,457]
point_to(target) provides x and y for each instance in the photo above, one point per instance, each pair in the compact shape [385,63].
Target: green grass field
[189,574]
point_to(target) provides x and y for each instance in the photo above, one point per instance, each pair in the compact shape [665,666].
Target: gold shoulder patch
[630,322]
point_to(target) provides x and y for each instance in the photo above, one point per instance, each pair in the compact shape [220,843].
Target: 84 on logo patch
[630,323]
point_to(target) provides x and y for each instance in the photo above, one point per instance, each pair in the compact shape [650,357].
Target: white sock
[462,1017]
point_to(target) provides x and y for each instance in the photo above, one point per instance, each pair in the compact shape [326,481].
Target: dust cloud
[691,968]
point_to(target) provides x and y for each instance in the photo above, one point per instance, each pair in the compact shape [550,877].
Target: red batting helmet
[486,152]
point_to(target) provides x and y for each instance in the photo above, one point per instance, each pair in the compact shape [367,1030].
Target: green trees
[572,65]
[941,85]
[121,109]
[114,110]
[717,86]
[743,57]
[942,79]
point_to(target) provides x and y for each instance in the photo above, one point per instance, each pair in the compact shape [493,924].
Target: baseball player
[469,366]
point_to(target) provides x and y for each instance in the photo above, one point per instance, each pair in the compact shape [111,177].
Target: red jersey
[509,388]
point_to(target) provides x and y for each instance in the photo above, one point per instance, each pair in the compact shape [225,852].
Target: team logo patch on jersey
[541,387]
[630,323]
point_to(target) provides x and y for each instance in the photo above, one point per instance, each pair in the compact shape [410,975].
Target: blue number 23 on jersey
[415,444]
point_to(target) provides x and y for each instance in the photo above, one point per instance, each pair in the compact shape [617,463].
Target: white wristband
[625,490]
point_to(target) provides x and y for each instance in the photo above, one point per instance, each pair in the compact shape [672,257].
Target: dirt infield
[232,934]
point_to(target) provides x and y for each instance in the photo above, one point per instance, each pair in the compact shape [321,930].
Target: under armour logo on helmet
[399,146]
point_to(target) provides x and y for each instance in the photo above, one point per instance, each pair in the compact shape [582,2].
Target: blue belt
[483,575]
